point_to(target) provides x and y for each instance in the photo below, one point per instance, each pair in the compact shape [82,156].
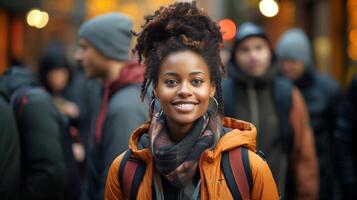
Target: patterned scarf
[178,162]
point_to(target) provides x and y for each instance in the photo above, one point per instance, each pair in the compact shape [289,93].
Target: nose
[78,54]
[184,90]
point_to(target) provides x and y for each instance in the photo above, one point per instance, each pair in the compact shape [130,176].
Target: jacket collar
[242,134]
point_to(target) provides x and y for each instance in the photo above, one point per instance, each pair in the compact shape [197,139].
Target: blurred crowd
[62,126]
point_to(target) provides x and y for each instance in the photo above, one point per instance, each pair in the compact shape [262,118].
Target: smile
[184,107]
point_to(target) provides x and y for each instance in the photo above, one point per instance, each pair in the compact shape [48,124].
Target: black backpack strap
[237,172]
[131,172]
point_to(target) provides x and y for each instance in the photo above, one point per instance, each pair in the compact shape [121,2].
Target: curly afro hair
[178,27]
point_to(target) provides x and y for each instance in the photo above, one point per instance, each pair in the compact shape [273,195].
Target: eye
[171,82]
[197,82]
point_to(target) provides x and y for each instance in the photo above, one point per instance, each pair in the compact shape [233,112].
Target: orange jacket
[213,183]
[303,158]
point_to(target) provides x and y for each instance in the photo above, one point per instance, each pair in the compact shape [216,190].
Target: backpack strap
[236,170]
[131,172]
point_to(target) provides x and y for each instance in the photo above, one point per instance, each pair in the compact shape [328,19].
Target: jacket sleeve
[264,186]
[304,161]
[119,126]
[9,153]
[42,150]
[343,137]
[112,187]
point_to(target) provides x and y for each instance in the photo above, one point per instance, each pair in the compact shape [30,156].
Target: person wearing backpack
[10,163]
[43,169]
[187,150]
[254,92]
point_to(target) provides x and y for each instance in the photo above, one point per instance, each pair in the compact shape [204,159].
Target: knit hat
[109,34]
[294,45]
[249,29]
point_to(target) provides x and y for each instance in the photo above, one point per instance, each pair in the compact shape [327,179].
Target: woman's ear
[212,90]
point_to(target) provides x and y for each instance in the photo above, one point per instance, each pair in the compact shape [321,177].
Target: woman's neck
[177,131]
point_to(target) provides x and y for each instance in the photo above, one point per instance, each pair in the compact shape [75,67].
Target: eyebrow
[175,74]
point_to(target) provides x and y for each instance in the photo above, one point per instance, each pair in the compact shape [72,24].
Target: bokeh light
[37,18]
[269,8]
[228,29]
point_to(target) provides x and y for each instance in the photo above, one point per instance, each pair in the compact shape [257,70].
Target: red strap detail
[23,102]
[102,115]
[236,162]
[128,177]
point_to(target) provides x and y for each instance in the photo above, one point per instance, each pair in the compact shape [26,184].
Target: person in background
[43,169]
[321,94]
[10,163]
[254,92]
[345,145]
[104,53]
[183,144]
[57,77]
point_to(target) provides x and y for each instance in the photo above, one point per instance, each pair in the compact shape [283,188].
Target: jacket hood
[15,77]
[295,45]
[242,134]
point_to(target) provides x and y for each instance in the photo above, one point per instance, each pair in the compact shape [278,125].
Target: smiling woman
[178,153]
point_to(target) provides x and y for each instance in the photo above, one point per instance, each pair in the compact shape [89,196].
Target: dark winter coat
[280,115]
[42,160]
[10,164]
[346,143]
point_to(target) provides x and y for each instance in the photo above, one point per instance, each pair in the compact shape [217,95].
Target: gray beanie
[294,45]
[109,34]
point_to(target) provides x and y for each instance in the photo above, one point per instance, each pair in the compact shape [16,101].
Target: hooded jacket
[279,112]
[322,95]
[121,112]
[213,183]
[42,161]
[10,165]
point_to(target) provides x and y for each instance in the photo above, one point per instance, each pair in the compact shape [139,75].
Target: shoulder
[127,99]
[327,84]
[257,163]
[112,188]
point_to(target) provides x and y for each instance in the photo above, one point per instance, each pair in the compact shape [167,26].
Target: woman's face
[57,79]
[184,87]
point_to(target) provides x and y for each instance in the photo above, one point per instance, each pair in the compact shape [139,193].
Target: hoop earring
[216,102]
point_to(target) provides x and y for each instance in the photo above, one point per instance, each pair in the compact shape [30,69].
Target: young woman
[180,150]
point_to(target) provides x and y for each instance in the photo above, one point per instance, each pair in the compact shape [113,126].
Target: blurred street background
[29,26]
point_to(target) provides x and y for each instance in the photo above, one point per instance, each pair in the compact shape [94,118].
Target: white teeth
[185,105]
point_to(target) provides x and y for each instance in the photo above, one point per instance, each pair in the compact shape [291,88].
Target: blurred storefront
[331,24]
[328,23]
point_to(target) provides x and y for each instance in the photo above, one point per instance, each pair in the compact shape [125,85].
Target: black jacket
[346,143]
[322,96]
[9,149]
[42,167]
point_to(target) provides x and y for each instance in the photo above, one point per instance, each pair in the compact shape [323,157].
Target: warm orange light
[228,29]
[353,36]
[352,52]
